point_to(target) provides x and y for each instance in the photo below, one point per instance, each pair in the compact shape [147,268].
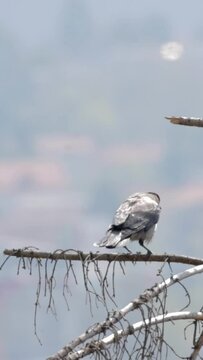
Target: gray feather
[135,219]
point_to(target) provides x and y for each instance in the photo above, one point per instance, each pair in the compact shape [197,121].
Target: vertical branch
[37,298]
[197,347]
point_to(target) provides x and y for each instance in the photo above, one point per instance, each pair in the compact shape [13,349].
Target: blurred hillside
[84,91]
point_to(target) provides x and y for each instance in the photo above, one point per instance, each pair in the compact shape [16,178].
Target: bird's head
[154,196]
[146,196]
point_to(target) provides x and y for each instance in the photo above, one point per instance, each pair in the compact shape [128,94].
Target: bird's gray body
[134,220]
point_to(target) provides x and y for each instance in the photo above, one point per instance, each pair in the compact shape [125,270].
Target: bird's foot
[148,254]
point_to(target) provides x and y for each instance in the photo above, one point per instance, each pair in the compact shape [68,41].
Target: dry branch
[187,121]
[101,328]
[197,347]
[75,255]
[117,335]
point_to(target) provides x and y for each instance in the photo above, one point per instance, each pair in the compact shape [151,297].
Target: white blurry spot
[171,51]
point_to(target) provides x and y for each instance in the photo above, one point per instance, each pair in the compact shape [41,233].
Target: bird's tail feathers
[102,242]
[111,240]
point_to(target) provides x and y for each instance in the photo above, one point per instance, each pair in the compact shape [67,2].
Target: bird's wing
[123,211]
[139,221]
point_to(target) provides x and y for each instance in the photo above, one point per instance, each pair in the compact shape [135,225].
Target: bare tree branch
[188,121]
[117,335]
[197,347]
[75,255]
[147,296]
